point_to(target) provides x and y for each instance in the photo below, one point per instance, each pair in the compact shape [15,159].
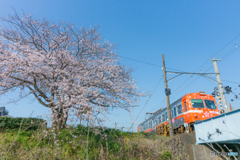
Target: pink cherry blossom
[67,69]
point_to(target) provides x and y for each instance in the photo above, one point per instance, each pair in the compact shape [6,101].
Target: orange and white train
[185,112]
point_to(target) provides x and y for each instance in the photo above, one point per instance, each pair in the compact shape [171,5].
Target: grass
[71,144]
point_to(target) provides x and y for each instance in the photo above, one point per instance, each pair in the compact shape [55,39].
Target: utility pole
[167,98]
[220,86]
[132,127]
[115,125]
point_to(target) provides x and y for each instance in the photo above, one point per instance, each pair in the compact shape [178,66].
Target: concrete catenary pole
[132,127]
[220,86]
[167,98]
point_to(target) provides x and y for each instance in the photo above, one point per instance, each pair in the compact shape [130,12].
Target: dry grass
[71,144]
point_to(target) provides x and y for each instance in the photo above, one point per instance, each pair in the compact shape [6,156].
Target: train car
[185,112]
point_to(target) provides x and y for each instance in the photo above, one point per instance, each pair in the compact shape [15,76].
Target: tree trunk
[59,118]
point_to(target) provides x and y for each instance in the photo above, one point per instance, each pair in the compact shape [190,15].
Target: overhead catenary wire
[231,81]
[186,86]
[219,51]
[180,87]
[224,56]
[227,55]
[141,61]
[146,103]
[146,62]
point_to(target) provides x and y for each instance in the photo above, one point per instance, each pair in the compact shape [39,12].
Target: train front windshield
[197,103]
[210,104]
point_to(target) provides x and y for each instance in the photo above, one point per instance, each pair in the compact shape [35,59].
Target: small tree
[63,67]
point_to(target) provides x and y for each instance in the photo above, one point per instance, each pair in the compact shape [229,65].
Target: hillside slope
[78,143]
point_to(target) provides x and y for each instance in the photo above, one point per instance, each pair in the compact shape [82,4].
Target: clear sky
[188,33]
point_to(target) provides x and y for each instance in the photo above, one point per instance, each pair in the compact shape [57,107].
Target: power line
[224,56]
[147,63]
[193,81]
[199,77]
[231,82]
[182,88]
[146,102]
[227,55]
[141,61]
[219,50]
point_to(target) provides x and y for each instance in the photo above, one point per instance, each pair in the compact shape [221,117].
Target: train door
[186,115]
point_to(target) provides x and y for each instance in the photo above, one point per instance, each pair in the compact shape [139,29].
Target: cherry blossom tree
[64,67]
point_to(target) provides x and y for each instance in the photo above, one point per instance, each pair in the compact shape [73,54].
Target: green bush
[166,155]
[7,123]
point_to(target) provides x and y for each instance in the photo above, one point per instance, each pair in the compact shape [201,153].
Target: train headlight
[202,93]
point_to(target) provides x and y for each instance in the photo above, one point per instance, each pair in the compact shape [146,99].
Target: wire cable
[224,56]
[231,82]
[227,55]
[147,63]
[146,102]
[219,51]
[141,61]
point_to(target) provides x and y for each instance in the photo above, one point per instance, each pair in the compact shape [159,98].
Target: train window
[159,119]
[155,121]
[179,108]
[166,116]
[175,112]
[197,103]
[210,104]
[150,124]
[172,113]
[163,117]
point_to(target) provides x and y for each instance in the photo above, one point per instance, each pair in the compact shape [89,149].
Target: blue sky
[188,33]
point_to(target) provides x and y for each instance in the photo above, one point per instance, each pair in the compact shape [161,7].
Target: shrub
[15,123]
[166,155]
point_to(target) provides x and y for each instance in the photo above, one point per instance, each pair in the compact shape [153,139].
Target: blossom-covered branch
[63,67]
